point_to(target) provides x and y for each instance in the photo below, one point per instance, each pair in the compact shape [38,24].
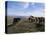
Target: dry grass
[25,26]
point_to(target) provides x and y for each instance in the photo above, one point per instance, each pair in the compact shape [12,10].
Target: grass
[23,26]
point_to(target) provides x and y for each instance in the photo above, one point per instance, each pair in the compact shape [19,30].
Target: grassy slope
[22,26]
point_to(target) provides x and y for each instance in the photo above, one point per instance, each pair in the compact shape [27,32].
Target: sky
[15,8]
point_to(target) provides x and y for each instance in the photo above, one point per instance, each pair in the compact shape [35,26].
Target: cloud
[38,13]
[26,5]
